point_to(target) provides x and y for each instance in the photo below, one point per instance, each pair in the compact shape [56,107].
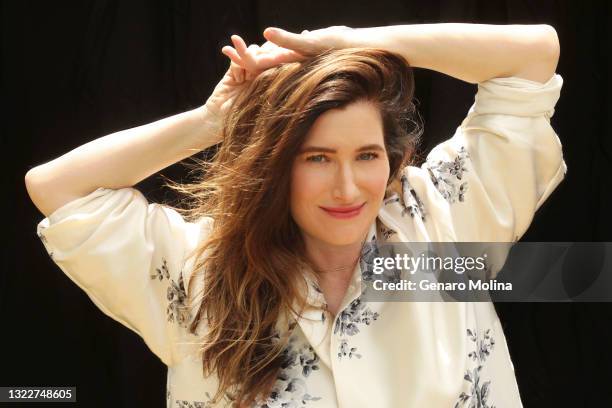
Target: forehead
[355,124]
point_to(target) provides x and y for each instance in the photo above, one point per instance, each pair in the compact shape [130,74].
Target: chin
[340,238]
[340,242]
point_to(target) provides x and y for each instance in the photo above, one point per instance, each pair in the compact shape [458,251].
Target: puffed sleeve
[487,181]
[128,256]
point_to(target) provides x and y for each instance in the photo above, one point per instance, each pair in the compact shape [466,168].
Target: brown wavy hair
[254,253]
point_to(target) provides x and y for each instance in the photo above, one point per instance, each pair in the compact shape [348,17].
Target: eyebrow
[310,149]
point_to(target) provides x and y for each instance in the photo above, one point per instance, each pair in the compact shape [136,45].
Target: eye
[368,156]
[318,158]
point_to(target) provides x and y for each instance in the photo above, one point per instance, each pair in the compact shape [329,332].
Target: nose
[346,190]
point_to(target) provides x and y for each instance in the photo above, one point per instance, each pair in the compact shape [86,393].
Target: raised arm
[124,158]
[470,52]
[120,159]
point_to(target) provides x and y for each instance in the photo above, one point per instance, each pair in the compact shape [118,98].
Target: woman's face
[340,175]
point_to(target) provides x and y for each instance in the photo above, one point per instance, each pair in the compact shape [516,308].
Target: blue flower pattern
[299,361]
[447,176]
[479,392]
[177,309]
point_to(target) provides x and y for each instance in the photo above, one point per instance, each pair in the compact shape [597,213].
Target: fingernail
[272,30]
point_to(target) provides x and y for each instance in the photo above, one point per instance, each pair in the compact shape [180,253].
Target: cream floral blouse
[483,184]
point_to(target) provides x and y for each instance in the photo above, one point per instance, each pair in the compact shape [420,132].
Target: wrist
[367,37]
[410,41]
[209,125]
[209,113]
[209,116]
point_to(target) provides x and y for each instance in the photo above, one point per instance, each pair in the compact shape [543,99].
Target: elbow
[30,184]
[542,55]
[547,50]
[29,181]
[33,179]
[550,44]
[34,189]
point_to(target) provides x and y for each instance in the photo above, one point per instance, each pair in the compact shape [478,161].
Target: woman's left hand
[255,59]
[310,43]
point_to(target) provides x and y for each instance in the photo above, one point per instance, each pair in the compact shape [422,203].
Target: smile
[344,212]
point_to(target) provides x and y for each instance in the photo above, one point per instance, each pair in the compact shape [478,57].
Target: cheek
[308,186]
[375,178]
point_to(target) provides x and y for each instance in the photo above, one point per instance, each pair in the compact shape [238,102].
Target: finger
[239,44]
[237,73]
[305,32]
[254,48]
[254,52]
[232,54]
[246,54]
[268,46]
[287,39]
[233,73]
[280,56]
[252,57]
[250,75]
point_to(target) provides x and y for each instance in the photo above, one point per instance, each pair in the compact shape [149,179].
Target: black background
[72,72]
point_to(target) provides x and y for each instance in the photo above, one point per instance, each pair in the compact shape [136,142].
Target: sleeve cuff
[68,208]
[518,96]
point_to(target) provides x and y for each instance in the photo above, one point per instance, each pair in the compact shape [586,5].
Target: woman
[252,295]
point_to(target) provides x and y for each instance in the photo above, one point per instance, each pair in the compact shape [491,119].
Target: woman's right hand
[225,91]
[246,63]
[284,46]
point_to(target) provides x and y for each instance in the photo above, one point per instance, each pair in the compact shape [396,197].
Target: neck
[333,262]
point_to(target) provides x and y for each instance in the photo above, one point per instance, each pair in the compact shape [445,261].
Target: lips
[344,212]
